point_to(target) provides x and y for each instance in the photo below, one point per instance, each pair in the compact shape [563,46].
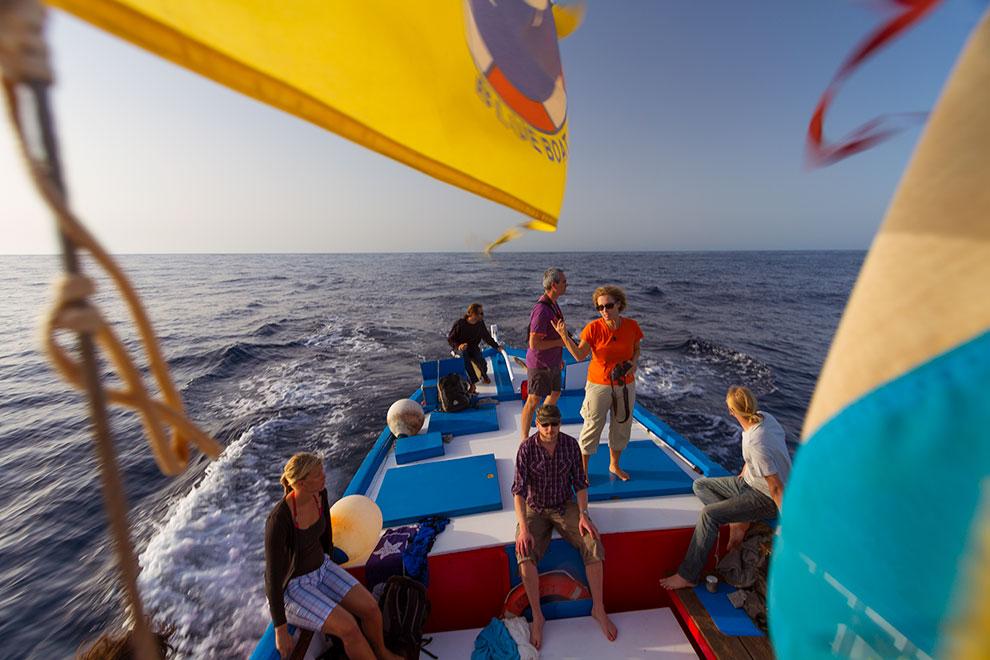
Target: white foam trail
[203,569]
[664,379]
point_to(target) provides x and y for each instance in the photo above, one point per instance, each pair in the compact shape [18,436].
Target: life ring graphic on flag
[514,45]
[554,586]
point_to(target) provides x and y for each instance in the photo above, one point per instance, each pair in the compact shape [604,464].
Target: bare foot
[675,581]
[619,472]
[608,628]
[536,632]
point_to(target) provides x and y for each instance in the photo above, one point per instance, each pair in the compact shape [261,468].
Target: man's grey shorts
[543,381]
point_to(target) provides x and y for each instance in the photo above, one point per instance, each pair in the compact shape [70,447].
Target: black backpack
[452,393]
[405,609]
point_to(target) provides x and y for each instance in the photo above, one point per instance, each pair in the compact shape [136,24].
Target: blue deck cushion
[434,369]
[651,473]
[729,620]
[441,488]
[417,447]
[473,420]
[570,408]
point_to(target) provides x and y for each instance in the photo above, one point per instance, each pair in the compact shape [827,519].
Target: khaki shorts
[541,526]
[597,406]
[543,381]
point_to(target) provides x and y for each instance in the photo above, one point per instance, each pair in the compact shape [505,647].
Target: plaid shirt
[549,482]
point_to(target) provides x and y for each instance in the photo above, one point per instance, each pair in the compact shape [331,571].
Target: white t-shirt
[765,451]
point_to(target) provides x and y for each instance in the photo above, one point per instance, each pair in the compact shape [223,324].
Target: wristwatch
[586,512]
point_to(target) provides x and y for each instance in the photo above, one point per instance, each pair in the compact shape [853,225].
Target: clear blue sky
[687,132]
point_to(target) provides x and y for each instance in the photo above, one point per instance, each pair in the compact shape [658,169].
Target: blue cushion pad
[570,408]
[442,488]
[418,447]
[473,420]
[651,473]
[729,620]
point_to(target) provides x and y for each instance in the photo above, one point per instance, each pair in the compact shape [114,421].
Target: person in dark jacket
[303,585]
[465,337]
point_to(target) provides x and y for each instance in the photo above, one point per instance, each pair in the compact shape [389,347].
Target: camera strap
[615,402]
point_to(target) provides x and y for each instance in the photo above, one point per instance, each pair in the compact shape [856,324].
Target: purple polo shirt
[541,322]
[549,482]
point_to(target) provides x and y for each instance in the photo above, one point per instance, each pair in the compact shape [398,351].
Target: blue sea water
[280,353]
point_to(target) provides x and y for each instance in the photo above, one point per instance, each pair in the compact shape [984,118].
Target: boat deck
[712,643]
[651,633]
[496,528]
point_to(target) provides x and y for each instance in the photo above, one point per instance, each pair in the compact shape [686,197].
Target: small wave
[749,370]
[268,329]
[664,379]
[654,292]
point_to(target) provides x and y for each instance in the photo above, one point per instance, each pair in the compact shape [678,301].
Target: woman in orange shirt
[613,341]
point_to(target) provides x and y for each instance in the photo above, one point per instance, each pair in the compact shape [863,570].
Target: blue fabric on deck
[482,419]
[570,409]
[729,620]
[495,643]
[651,473]
[441,488]
[417,447]
[414,557]
[882,511]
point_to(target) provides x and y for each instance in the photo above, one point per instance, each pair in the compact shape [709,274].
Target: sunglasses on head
[605,306]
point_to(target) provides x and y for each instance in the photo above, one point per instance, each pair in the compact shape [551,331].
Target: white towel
[518,627]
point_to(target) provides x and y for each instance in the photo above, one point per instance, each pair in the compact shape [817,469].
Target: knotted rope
[24,65]
[24,54]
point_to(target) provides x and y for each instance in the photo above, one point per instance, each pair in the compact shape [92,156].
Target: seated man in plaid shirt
[549,474]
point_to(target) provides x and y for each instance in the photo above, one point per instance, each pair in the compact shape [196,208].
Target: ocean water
[281,353]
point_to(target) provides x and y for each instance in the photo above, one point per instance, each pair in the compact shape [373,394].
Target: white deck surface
[498,527]
[643,634]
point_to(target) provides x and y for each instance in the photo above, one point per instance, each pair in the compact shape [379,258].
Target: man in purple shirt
[544,354]
[550,491]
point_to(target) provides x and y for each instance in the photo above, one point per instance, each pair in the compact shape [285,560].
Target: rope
[72,309]
[23,51]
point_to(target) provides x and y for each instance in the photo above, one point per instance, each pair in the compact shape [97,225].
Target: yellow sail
[469,92]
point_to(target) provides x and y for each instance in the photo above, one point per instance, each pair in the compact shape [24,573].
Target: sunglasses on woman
[605,306]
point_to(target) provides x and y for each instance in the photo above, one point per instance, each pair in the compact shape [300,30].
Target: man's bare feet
[619,472]
[675,581]
[536,632]
[608,628]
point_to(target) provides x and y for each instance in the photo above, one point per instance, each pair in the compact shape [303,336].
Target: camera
[619,371]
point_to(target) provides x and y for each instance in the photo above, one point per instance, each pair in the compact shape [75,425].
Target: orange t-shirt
[609,348]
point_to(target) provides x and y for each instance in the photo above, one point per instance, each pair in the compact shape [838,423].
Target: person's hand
[561,327]
[283,641]
[462,347]
[524,542]
[585,526]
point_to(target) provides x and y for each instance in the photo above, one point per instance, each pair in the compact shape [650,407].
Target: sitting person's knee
[699,485]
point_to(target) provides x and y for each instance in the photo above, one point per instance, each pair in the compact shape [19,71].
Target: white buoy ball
[357,524]
[405,417]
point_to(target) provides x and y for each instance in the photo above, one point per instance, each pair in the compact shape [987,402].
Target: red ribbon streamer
[879,129]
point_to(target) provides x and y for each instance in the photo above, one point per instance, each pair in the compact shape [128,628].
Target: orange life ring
[554,585]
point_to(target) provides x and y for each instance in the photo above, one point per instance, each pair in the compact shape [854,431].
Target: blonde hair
[614,292]
[298,468]
[742,402]
[474,308]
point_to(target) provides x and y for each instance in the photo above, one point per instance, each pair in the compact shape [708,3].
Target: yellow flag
[468,91]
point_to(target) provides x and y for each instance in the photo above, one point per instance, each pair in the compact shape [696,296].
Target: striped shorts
[310,598]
